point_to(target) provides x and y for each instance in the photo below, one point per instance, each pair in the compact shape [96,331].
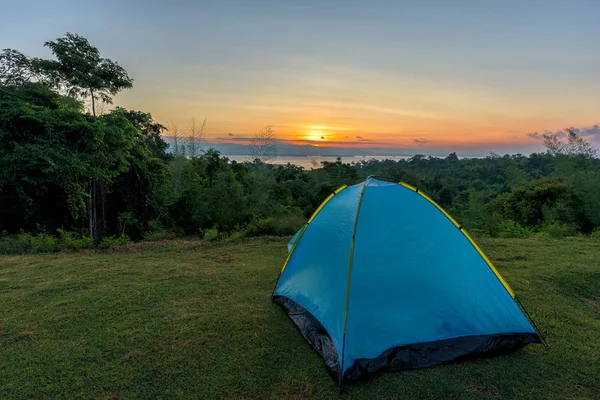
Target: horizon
[376,77]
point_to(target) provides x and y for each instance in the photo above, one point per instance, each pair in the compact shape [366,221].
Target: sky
[427,76]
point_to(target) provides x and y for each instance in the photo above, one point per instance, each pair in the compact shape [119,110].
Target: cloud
[535,135]
[421,141]
[359,137]
[230,134]
[588,131]
[232,137]
[592,130]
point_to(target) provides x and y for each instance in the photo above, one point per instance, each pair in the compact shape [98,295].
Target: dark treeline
[86,178]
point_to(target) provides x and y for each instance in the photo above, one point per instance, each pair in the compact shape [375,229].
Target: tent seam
[360,200]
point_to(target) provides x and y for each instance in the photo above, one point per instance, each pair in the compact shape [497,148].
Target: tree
[132,197]
[263,146]
[150,130]
[41,170]
[574,145]
[195,135]
[174,138]
[81,71]
[15,68]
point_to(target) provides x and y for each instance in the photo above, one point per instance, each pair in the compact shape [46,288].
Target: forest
[73,178]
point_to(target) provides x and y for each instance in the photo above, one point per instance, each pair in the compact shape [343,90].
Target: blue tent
[381,278]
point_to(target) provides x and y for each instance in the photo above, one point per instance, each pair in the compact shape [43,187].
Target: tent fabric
[381,278]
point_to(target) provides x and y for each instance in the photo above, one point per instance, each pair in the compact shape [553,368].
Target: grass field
[196,321]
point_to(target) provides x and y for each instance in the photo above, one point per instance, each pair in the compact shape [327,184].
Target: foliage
[27,243]
[81,71]
[574,145]
[211,234]
[71,241]
[43,243]
[558,231]
[512,229]
[16,244]
[157,236]
[113,241]
[281,225]
[16,68]
[263,146]
[112,175]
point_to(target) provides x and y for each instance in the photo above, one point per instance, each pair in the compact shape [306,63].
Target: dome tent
[381,278]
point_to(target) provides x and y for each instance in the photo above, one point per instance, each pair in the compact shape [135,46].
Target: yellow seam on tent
[464,232]
[320,207]
[325,202]
[340,189]
[406,185]
[440,208]
[489,263]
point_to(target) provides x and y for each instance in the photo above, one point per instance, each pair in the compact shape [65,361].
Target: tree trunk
[93,104]
[89,210]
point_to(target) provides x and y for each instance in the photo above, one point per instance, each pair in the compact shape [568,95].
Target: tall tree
[15,68]
[81,71]
[263,146]
[574,145]
[195,136]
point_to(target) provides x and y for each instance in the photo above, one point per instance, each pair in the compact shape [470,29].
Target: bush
[211,234]
[157,236]
[595,235]
[282,225]
[18,244]
[71,241]
[478,233]
[512,229]
[43,243]
[558,231]
[113,241]
[236,235]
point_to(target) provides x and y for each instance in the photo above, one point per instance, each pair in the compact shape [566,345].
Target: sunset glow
[437,77]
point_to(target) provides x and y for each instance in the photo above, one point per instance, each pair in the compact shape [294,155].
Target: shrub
[478,233]
[595,235]
[43,243]
[281,225]
[512,229]
[157,236]
[71,241]
[211,234]
[18,244]
[558,231]
[113,241]
[236,235]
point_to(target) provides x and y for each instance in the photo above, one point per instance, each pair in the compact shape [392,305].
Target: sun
[315,135]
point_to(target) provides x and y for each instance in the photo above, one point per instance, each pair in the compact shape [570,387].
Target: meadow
[195,320]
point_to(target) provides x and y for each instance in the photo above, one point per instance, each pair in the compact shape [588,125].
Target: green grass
[197,322]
